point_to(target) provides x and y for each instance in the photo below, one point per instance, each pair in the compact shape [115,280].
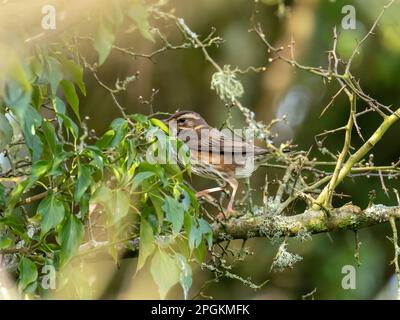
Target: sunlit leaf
[121,203]
[5,242]
[104,40]
[53,73]
[160,124]
[165,271]
[139,178]
[70,94]
[138,13]
[185,278]
[28,273]
[146,246]
[75,71]
[38,170]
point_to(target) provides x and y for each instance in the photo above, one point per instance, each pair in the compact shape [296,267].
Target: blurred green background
[183,80]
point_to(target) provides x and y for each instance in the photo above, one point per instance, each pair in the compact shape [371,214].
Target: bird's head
[186,120]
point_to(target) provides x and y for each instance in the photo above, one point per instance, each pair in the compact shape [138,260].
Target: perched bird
[216,154]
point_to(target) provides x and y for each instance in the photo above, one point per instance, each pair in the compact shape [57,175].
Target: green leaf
[27,273]
[75,71]
[96,155]
[15,95]
[38,170]
[102,195]
[69,124]
[185,278]
[146,246]
[70,94]
[174,213]
[160,124]
[53,74]
[51,211]
[195,235]
[16,194]
[138,13]
[5,242]
[28,117]
[120,205]
[58,105]
[206,231]
[120,127]
[139,178]
[157,204]
[104,40]
[116,202]
[199,253]
[2,196]
[51,137]
[165,271]
[19,74]
[105,141]
[37,97]
[6,132]
[70,237]
[84,181]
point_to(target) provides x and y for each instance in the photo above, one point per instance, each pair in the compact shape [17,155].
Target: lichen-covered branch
[348,217]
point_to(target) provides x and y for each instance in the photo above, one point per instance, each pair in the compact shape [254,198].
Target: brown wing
[232,144]
[213,140]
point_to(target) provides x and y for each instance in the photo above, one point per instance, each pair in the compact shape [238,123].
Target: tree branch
[348,217]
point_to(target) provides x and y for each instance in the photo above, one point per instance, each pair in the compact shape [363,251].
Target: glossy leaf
[51,211]
[70,237]
[38,170]
[84,181]
[70,94]
[28,273]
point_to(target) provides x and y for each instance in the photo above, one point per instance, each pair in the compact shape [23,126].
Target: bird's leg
[202,193]
[235,185]
[206,194]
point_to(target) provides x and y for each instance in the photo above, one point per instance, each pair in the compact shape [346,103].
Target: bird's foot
[227,214]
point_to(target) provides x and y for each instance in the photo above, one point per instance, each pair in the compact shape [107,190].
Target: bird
[216,154]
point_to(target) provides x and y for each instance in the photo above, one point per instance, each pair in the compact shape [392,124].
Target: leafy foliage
[75,176]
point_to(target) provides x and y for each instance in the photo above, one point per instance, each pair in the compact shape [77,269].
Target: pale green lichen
[284,259]
[303,235]
[377,212]
[274,227]
[226,85]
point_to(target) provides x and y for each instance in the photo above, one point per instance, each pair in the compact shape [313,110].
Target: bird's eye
[181,120]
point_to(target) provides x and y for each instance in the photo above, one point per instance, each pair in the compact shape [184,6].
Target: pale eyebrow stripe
[188,116]
[199,126]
